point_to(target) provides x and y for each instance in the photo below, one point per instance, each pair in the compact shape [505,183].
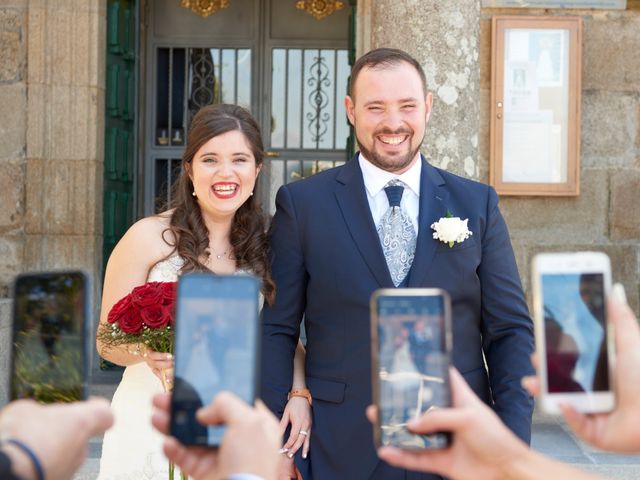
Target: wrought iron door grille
[307,88]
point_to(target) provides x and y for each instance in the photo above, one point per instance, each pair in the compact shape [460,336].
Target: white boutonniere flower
[451,230]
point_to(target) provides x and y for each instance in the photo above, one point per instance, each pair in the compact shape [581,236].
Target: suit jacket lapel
[352,200]
[433,205]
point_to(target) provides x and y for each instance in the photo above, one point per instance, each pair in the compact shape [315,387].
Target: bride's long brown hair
[248,236]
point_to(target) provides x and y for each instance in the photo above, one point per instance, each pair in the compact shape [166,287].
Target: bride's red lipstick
[225,190]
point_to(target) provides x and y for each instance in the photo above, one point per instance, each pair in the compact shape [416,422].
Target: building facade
[96,96]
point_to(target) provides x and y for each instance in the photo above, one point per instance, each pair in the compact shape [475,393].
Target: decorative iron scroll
[319,8]
[204,8]
[318,98]
[203,81]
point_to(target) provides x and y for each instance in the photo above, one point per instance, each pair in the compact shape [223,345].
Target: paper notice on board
[520,87]
[532,148]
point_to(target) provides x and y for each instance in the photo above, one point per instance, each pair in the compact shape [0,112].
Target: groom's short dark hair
[385,57]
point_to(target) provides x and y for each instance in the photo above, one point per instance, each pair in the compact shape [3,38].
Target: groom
[328,258]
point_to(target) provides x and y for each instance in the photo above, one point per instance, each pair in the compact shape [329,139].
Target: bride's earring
[251,194]
[194,193]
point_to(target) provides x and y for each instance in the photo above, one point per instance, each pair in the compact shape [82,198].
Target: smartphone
[216,345]
[411,354]
[50,347]
[574,342]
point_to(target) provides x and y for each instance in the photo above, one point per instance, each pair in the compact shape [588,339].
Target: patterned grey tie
[397,235]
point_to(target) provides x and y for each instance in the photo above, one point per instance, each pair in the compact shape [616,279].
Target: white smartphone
[574,342]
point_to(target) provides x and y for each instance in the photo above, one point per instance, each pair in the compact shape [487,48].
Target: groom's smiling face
[389,110]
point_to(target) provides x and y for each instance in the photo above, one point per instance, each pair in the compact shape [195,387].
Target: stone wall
[13,108]
[606,215]
[51,142]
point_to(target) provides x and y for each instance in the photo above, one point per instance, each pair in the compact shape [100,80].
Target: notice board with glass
[535,105]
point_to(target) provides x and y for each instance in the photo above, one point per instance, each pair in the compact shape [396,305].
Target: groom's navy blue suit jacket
[327,260]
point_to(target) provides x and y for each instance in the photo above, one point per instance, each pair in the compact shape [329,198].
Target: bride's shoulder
[149,237]
[152,227]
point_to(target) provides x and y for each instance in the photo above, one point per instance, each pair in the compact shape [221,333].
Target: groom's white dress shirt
[375,180]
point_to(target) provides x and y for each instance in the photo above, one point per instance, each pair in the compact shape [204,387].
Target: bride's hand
[161,364]
[298,414]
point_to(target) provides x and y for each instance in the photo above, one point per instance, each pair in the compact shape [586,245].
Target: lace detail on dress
[166,270]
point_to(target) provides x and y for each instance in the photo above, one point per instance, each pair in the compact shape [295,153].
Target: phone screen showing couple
[412,365]
[49,345]
[575,332]
[215,349]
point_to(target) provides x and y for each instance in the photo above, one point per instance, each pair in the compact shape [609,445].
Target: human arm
[617,430]
[139,249]
[249,445]
[507,330]
[281,321]
[482,448]
[57,434]
[297,412]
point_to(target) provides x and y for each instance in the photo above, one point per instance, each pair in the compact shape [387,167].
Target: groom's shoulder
[463,185]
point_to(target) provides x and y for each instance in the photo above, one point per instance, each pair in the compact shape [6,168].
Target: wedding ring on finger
[304,432]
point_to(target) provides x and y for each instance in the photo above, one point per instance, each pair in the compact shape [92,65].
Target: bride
[215,224]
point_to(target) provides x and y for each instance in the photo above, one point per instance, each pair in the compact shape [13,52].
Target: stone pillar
[51,149]
[65,134]
[444,37]
[13,108]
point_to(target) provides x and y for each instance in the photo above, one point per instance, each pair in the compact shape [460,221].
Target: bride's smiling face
[224,173]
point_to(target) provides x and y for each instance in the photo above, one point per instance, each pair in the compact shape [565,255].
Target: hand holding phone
[49,339]
[574,343]
[215,349]
[411,350]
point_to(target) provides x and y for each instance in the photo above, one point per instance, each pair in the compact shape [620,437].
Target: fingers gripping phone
[411,354]
[50,347]
[216,348]
[574,343]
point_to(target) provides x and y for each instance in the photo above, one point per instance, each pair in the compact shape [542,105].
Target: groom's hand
[250,444]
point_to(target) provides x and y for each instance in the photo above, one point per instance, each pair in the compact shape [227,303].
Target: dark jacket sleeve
[5,467]
[281,321]
[507,330]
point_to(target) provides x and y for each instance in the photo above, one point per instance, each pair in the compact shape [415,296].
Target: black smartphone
[216,348]
[50,347]
[411,354]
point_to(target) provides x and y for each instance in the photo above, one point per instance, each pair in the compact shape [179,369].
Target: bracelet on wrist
[301,392]
[24,448]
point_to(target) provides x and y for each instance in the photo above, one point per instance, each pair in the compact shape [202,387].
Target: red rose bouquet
[145,316]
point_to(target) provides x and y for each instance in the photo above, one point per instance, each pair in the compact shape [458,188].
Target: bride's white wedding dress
[132,448]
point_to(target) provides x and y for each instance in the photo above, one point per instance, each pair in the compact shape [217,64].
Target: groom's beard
[390,163]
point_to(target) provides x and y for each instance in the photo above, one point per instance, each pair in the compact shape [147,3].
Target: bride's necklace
[219,256]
